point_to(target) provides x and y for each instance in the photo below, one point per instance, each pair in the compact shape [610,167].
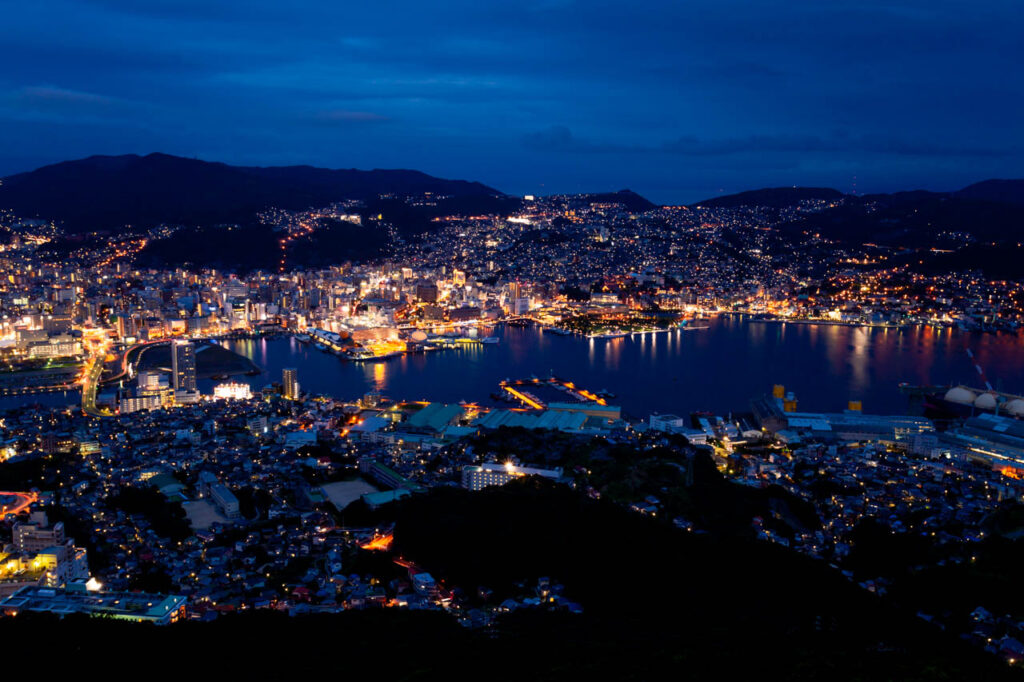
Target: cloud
[348,116]
[47,94]
[840,142]
[560,139]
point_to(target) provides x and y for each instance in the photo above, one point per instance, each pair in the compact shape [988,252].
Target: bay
[718,369]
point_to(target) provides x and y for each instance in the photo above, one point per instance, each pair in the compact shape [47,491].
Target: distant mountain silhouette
[772,197]
[629,199]
[915,219]
[991,211]
[1002,191]
[110,192]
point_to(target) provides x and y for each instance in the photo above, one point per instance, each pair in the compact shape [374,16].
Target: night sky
[678,100]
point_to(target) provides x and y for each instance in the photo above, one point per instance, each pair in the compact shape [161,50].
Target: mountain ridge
[109,192]
[995,190]
[773,197]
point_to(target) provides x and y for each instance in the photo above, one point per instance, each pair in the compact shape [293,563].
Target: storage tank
[1014,408]
[985,401]
[961,395]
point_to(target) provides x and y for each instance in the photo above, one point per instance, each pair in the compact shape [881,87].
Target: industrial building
[569,417]
[434,417]
[671,423]
[991,439]
[133,606]
[777,414]
[854,426]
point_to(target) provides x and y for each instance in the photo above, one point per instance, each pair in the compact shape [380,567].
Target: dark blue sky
[676,99]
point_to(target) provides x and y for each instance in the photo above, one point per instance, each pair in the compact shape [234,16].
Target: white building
[232,390]
[493,473]
[225,500]
[134,404]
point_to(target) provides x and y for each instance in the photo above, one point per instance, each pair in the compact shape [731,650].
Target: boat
[489,339]
[302,337]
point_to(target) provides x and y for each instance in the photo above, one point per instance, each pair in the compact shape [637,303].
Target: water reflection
[612,351]
[716,369]
[859,360]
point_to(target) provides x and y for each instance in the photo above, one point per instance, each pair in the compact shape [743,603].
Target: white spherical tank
[960,395]
[1014,408]
[985,401]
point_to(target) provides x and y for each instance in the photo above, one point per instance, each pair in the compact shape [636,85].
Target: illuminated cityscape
[762,416]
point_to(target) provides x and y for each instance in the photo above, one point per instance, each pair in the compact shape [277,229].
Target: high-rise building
[183,365]
[290,383]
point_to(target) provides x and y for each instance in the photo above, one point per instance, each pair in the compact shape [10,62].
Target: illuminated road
[379,543]
[97,343]
[90,385]
[25,500]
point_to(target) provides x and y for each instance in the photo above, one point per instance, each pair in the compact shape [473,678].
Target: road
[97,344]
[25,500]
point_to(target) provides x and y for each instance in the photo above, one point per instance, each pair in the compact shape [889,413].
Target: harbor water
[717,369]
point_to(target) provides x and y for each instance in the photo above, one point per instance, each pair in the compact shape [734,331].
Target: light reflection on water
[716,369]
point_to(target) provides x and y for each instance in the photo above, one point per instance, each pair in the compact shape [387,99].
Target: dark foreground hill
[110,192]
[659,604]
